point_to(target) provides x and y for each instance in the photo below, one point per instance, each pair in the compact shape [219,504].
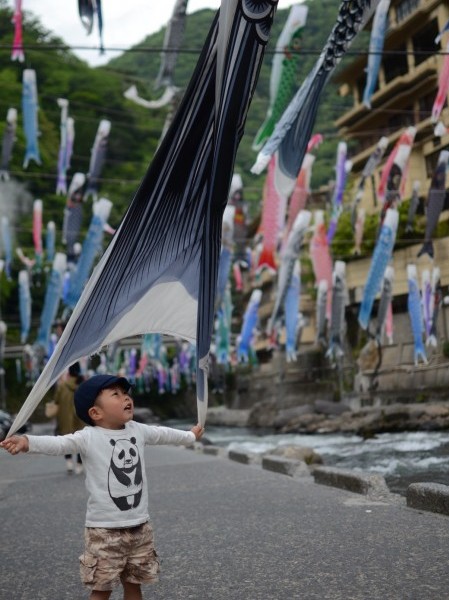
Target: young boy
[118,536]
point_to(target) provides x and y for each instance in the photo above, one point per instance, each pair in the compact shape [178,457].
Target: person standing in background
[67,420]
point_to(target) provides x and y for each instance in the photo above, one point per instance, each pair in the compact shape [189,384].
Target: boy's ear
[94,413]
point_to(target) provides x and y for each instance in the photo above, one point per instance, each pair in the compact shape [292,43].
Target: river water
[402,458]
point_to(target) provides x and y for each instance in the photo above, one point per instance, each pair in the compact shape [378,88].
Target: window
[365,142]
[424,42]
[361,83]
[395,65]
[404,9]
[425,106]
[401,119]
[431,163]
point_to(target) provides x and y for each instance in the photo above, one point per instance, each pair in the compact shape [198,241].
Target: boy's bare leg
[97,595]
[132,591]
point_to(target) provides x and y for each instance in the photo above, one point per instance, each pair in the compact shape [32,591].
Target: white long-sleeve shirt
[114,463]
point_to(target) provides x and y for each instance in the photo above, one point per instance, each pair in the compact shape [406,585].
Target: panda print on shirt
[125,474]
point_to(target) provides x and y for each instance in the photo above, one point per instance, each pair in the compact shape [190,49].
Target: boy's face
[115,407]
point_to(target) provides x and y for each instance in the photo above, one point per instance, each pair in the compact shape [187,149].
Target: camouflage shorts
[115,555]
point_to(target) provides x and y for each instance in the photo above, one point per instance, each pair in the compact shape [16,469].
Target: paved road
[225,531]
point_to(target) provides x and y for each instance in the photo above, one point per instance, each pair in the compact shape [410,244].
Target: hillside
[93,94]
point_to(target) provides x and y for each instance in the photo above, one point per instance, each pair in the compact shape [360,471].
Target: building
[406,89]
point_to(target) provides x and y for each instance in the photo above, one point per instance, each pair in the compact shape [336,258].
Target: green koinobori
[284,71]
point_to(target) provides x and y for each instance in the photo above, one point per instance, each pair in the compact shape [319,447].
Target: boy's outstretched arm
[198,431]
[15,444]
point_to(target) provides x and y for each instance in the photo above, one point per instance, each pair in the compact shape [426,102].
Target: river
[402,458]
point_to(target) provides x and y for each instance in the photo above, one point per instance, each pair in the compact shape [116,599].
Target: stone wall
[286,384]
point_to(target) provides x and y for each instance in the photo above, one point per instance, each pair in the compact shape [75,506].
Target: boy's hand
[197,431]
[15,444]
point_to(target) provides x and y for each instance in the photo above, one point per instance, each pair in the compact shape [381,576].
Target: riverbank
[330,417]
[432,497]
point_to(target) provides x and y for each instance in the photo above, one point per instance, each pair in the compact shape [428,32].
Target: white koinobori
[174,35]
[159,272]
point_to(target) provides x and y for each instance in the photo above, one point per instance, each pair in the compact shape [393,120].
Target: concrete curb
[212,450]
[245,458]
[285,466]
[358,483]
[373,486]
[433,497]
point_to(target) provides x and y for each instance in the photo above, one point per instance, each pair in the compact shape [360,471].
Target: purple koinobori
[97,158]
[342,168]
[291,310]
[159,272]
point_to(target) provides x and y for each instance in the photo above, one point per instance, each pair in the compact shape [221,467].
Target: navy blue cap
[87,392]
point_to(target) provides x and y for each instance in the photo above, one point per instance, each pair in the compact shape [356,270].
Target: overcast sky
[125,22]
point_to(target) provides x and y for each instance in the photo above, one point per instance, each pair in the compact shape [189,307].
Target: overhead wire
[185,50]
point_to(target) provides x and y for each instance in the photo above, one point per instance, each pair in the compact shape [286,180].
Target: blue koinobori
[30,126]
[379,262]
[376,45]
[51,301]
